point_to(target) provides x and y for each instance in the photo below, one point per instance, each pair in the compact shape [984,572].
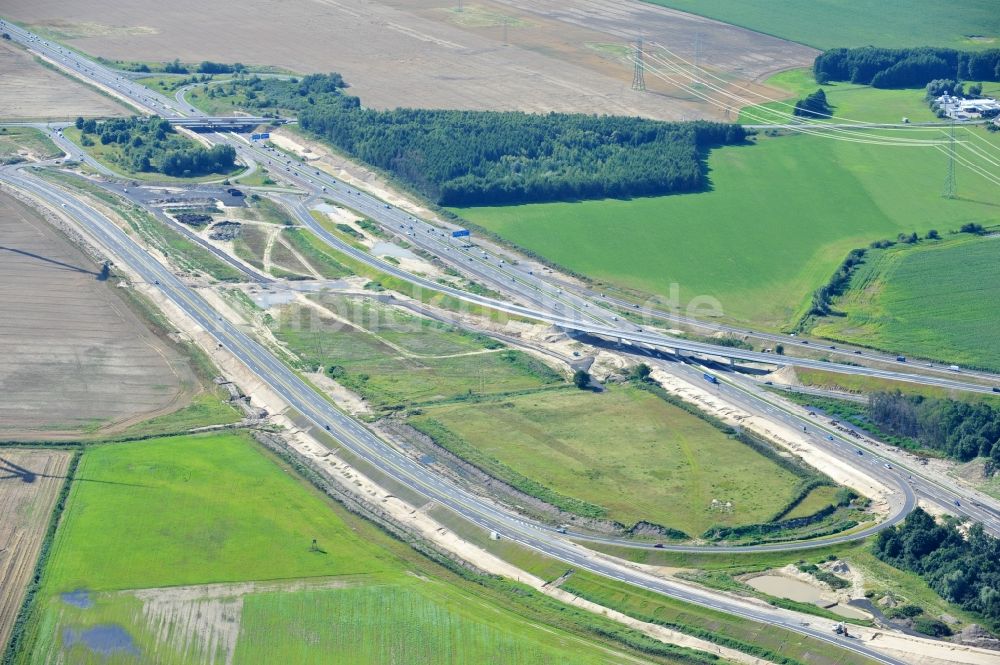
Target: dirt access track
[30,91]
[529,55]
[29,484]
[73,355]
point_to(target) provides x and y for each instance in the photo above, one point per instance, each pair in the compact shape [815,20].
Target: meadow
[826,24]
[931,301]
[848,101]
[665,468]
[392,357]
[779,219]
[166,553]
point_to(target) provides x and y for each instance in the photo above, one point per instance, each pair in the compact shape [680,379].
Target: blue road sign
[461,233]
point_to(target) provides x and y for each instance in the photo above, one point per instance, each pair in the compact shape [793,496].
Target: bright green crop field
[935,300]
[663,466]
[826,24]
[781,216]
[243,530]
[200,549]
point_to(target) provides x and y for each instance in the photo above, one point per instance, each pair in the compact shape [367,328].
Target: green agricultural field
[243,531]
[13,139]
[849,101]
[419,622]
[665,467]
[392,358]
[166,553]
[780,218]
[931,301]
[826,24]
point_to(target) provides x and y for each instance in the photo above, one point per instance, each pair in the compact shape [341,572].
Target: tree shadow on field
[64,266]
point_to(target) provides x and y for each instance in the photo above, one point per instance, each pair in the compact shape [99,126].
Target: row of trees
[206,67]
[822,301]
[963,570]
[905,67]
[488,158]
[960,430]
[152,145]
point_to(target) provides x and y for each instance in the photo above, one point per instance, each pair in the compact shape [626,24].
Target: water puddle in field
[79,598]
[105,639]
[786,587]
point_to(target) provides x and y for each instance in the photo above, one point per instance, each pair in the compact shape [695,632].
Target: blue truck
[710,378]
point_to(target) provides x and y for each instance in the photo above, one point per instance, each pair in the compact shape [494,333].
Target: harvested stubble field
[74,357]
[30,90]
[560,55]
[29,484]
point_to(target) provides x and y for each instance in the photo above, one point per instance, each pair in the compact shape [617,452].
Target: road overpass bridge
[214,123]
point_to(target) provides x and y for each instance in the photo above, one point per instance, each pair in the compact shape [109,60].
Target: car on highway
[887,465]
[860,452]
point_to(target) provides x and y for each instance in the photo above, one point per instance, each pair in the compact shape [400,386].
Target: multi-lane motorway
[542,300]
[354,436]
[553,303]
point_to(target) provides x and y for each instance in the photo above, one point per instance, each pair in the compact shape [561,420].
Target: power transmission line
[949,179]
[638,77]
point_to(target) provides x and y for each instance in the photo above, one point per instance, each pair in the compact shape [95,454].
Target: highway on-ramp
[354,436]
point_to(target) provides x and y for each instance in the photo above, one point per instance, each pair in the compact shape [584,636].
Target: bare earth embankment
[29,90]
[29,484]
[73,356]
[530,55]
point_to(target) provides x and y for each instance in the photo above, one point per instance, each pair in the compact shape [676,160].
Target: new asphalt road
[300,396]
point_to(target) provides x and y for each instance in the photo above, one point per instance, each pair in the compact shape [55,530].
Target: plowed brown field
[530,55]
[73,355]
[29,91]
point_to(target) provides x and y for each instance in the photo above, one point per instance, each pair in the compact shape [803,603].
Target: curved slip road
[373,450]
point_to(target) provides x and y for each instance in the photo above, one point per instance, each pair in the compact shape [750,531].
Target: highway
[553,304]
[556,305]
[546,302]
[359,440]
